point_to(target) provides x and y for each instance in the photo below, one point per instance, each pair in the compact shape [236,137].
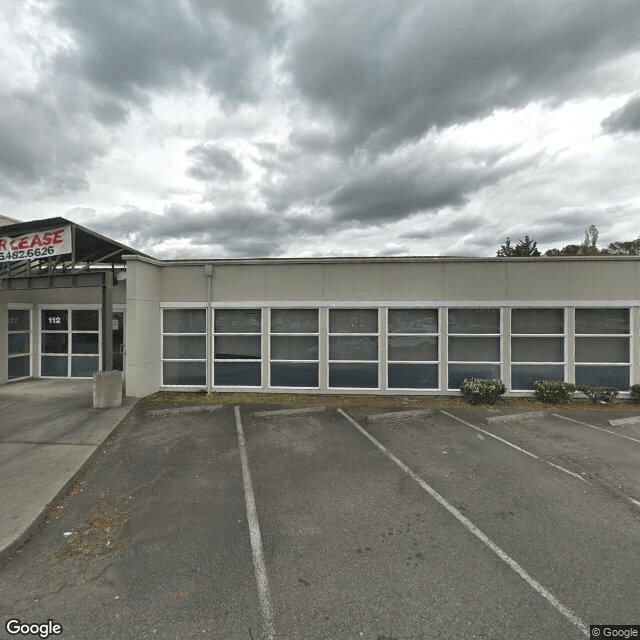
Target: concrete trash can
[107,389]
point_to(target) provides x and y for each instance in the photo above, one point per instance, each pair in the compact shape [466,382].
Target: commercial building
[319,325]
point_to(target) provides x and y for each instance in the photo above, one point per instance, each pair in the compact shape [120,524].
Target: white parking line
[613,433]
[534,584]
[268,630]
[516,447]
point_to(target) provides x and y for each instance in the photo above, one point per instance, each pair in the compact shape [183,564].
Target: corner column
[107,322]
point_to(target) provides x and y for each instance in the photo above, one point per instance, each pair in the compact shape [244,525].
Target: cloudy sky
[233,128]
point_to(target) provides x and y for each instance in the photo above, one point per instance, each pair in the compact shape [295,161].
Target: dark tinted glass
[294,321]
[294,348]
[537,321]
[54,342]
[294,374]
[238,320]
[19,367]
[184,373]
[602,320]
[85,320]
[355,376]
[54,366]
[482,320]
[83,366]
[458,372]
[18,319]
[617,377]
[237,374]
[54,320]
[84,343]
[184,321]
[19,343]
[413,348]
[353,320]
[524,375]
[413,376]
[413,321]
[237,347]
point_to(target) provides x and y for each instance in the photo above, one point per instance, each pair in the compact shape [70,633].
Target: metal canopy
[86,266]
[89,249]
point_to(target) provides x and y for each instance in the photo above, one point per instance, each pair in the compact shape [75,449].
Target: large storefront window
[474,344]
[237,347]
[412,348]
[353,348]
[602,347]
[69,343]
[19,338]
[293,348]
[537,346]
[184,347]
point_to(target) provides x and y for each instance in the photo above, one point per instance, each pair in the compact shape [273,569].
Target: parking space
[575,441]
[337,526]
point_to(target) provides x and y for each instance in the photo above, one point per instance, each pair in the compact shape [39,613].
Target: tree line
[528,247]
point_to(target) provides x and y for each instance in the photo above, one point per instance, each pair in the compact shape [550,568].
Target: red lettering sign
[35,245]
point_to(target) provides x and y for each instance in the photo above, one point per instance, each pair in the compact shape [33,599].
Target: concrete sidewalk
[48,431]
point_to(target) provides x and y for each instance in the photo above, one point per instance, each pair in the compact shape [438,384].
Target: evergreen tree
[524,249]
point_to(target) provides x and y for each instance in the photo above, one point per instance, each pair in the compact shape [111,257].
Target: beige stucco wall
[422,281]
[142,340]
[78,295]
[446,282]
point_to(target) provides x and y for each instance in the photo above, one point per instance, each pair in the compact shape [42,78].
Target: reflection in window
[184,347]
[537,346]
[474,344]
[412,349]
[353,348]
[237,358]
[294,348]
[602,347]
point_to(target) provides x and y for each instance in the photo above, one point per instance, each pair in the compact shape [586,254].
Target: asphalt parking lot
[341,524]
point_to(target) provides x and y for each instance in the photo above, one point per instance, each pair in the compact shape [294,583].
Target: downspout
[208,269]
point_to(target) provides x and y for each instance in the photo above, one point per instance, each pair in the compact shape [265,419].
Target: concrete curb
[415,413]
[625,422]
[515,417]
[289,412]
[22,538]
[179,411]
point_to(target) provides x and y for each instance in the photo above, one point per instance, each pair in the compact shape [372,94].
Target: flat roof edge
[130,257]
[373,260]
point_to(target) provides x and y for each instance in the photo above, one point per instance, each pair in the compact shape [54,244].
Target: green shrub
[553,391]
[635,392]
[478,391]
[598,394]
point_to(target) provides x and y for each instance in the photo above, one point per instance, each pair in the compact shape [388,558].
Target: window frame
[499,336]
[29,333]
[513,335]
[593,365]
[69,332]
[308,334]
[164,334]
[215,334]
[435,335]
[377,336]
